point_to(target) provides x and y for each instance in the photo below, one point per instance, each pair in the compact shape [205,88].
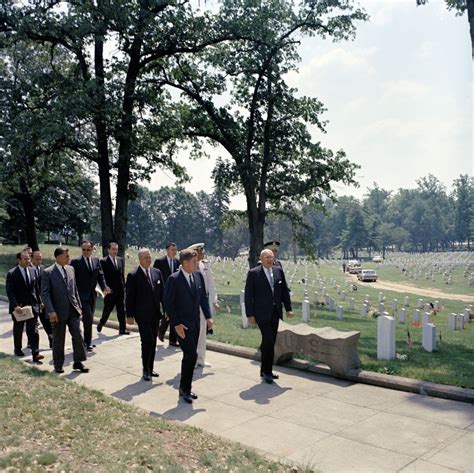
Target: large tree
[270,155]
[124,108]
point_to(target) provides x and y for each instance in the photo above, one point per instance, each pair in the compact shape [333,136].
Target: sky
[398,99]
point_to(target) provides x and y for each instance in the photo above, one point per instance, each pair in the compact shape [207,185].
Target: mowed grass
[451,363]
[51,424]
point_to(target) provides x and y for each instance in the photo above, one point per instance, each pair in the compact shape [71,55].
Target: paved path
[310,420]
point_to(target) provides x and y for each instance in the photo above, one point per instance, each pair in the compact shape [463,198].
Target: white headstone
[242,296]
[416,315]
[331,303]
[436,305]
[402,314]
[452,322]
[326,299]
[426,318]
[342,296]
[351,303]
[471,281]
[381,296]
[339,312]
[419,304]
[306,310]
[381,308]
[426,307]
[428,340]
[364,309]
[406,301]
[245,321]
[385,337]
[460,322]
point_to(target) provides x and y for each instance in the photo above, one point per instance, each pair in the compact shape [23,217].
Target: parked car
[354,267]
[367,275]
[377,259]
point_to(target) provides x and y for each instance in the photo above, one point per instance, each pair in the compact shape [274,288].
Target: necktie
[89,264]
[170,262]
[115,262]
[64,275]
[27,277]
[37,272]
[148,277]
[270,278]
[191,283]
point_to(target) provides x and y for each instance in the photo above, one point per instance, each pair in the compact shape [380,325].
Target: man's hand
[107,290]
[17,309]
[130,320]
[53,317]
[210,324]
[180,330]
[251,320]
[290,314]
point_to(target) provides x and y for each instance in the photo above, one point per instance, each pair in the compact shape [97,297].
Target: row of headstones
[386,337]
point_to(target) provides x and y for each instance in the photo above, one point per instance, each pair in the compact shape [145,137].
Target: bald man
[266,292]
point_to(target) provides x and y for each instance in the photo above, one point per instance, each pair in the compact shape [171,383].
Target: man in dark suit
[62,303]
[38,268]
[88,274]
[113,269]
[185,293]
[265,294]
[144,297]
[168,264]
[20,286]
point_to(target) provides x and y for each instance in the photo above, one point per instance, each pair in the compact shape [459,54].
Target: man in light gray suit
[63,306]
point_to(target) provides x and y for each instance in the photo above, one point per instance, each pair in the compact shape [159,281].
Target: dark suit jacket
[142,300]
[38,280]
[18,292]
[58,296]
[182,306]
[163,266]
[87,280]
[260,302]
[114,278]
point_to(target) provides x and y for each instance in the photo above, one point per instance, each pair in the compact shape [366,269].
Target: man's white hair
[265,251]
[142,251]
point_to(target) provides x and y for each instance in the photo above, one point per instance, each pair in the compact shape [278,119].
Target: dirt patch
[425,292]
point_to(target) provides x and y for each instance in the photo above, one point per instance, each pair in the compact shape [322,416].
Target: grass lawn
[451,363]
[52,424]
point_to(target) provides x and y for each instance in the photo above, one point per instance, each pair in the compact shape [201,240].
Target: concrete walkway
[310,420]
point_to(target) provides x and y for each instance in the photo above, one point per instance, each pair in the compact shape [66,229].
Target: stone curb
[399,383]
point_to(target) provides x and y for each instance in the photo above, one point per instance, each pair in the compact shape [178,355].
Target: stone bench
[335,348]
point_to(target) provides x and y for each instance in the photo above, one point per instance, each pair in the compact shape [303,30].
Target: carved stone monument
[335,348]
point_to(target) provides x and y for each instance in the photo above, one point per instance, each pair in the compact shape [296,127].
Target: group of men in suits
[179,294]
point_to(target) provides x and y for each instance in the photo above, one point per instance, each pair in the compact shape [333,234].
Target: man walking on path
[185,294]
[266,292]
[63,306]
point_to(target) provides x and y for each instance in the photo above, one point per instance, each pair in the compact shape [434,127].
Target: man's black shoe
[274,376]
[19,353]
[161,336]
[124,332]
[80,367]
[90,348]
[191,394]
[99,327]
[146,375]
[155,374]
[268,378]
[59,370]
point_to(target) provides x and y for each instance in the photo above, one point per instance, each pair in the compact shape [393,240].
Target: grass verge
[51,424]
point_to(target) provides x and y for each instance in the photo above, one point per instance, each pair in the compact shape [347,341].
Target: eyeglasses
[86,249]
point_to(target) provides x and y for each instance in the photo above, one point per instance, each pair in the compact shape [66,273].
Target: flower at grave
[415,324]
[401,357]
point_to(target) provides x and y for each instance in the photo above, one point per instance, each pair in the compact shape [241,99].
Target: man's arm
[130,295]
[285,295]
[9,286]
[249,294]
[46,292]
[101,279]
[204,302]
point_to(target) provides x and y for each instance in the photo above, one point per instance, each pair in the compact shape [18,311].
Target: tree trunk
[256,223]
[125,147]
[29,210]
[106,219]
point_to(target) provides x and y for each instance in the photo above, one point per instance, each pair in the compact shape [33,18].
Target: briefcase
[25,314]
